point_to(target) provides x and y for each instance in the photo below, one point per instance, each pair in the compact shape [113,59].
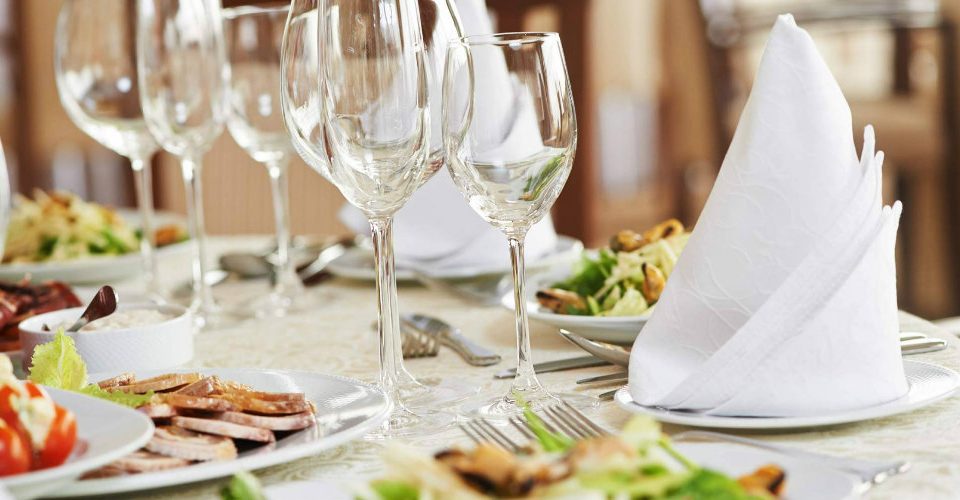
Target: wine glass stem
[526,379]
[388,324]
[143,186]
[192,171]
[286,279]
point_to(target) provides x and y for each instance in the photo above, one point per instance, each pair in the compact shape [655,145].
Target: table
[337,338]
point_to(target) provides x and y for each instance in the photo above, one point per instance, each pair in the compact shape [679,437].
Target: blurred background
[659,86]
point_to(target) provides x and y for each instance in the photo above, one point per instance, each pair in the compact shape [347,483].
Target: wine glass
[181,64]
[252,37]
[375,132]
[510,135]
[95,64]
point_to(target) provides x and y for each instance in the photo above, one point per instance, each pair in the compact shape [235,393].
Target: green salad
[624,279]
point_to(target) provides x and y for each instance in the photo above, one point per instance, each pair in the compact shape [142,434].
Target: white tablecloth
[336,338]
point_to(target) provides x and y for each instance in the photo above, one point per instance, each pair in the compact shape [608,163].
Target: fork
[560,418]
[415,344]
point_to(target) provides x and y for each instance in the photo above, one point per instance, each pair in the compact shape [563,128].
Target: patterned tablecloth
[336,338]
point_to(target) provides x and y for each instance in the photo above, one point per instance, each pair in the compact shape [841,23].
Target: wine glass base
[406,423]
[210,317]
[432,393]
[506,407]
[279,305]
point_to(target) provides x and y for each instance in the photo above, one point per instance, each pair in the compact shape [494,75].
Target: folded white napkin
[783,302]
[437,230]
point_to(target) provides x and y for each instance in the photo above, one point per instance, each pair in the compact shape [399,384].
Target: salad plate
[99,269]
[346,409]
[357,264]
[621,330]
[105,432]
[805,478]
[929,383]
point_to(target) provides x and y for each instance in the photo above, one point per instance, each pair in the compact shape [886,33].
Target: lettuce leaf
[243,486]
[395,490]
[57,364]
[589,274]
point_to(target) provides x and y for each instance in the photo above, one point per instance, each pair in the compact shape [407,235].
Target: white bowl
[157,346]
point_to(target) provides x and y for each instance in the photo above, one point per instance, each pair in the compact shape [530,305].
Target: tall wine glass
[253,36]
[376,128]
[180,59]
[95,64]
[510,135]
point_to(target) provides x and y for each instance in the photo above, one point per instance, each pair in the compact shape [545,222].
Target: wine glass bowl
[95,68]
[510,136]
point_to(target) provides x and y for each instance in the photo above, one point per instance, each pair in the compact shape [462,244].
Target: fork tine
[521,426]
[583,419]
[485,436]
[498,435]
[468,430]
[575,429]
[571,430]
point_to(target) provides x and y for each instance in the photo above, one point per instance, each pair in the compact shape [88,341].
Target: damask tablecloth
[336,337]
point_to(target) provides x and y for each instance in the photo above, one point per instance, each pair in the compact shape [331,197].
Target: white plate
[346,410]
[105,432]
[357,263]
[805,479]
[929,383]
[96,270]
[621,330]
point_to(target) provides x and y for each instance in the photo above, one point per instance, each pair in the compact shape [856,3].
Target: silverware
[312,273]
[921,345]
[560,418]
[451,337]
[104,304]
[415,344]
[557,365]
[869,471]
[482,291]
[608,396]
[613,353]
[613,377]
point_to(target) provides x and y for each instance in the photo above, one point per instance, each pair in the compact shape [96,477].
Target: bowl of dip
[135,337]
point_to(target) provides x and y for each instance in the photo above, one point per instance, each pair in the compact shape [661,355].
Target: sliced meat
[203,387]
[158,410]
[255,405]
[103,472]
[178,442]
[222,428]
[197,402]
[166,382]
[122,379]
[233,388]
[147,461]
[293,422]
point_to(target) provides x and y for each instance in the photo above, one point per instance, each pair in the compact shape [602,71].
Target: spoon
[104,304]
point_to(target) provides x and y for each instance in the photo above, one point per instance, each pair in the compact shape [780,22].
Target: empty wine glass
[253,36]
[180,60]
[95,64]
[376,129]
[510,134]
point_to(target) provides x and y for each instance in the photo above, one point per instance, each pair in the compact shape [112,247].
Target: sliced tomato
[7,412]
[60,440]
[14,451]
[35,391]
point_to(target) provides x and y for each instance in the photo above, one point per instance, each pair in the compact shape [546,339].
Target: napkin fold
[783,302]
[437,230]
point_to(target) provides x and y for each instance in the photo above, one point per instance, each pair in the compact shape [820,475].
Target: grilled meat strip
[188,445]
[197,402]
[223,428]
[293,422]
[162,383]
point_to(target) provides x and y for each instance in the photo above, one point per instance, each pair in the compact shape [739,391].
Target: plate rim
[75,469]
[896,407]
[143,482]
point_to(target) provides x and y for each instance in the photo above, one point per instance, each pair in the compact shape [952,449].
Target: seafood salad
[625,279]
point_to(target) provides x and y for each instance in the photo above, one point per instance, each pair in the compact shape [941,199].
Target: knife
[612,377]
[918,346]
[557,365]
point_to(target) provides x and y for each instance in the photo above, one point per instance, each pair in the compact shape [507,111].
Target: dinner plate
[105,432]
[929,383]
[357,263]
[346,410]
[100,269]
[621,330]
[805,478]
